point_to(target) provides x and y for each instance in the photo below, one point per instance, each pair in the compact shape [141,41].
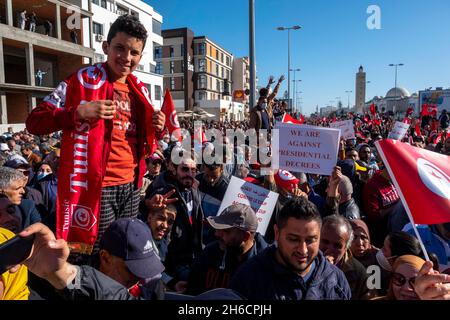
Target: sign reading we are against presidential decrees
[261,200]
[347,128]
[305,149]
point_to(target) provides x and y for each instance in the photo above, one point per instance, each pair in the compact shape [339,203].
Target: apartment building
[106,12]
[32,63]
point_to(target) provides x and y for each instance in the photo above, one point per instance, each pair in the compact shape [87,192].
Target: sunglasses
[26,173]
[187,169]
[400,280]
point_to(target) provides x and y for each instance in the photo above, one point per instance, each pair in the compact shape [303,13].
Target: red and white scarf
[83,153]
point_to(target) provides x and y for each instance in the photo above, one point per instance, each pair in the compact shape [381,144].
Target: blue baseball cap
[131,240]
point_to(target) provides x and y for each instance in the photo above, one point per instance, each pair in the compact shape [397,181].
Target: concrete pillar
[58,21]
[3,109]
[9,13]
[29,56]
[2,62]
[91,33]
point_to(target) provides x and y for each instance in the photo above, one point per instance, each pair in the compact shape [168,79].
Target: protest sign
[305,149]
[398,131]
[261,200]
[346,127]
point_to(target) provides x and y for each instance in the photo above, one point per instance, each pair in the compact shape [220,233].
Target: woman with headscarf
[405,270]
[361,248]
[13,286]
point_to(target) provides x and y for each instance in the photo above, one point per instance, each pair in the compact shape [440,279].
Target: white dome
[398,93]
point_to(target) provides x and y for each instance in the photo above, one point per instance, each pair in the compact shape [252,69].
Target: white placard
[398,131]
[261,200]
[305,149]
[346,127]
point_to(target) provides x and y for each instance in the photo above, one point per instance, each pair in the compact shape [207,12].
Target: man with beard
[294,269]
[237,241]
[186,236]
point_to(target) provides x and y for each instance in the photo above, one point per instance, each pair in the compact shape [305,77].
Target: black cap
[131,240]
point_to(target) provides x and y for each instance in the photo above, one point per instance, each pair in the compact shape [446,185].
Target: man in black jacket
[293,269]
[237,241]
[186,236]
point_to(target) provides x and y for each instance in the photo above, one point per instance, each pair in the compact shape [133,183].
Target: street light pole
[395,87]
[293,96]
[252,53]
[289,59]
[348,96]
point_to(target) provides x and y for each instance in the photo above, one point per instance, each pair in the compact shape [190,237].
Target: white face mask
[383,261]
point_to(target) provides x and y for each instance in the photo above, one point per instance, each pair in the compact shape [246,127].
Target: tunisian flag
[373,109]
[288,119]
[168,109]
[429,110]
[422,179]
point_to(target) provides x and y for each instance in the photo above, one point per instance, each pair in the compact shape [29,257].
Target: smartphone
[15,251]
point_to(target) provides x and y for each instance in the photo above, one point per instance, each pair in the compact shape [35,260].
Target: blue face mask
[42,175]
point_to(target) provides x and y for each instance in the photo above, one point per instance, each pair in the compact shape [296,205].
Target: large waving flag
[429,110]
[422,178]
[168,108]
[287,118]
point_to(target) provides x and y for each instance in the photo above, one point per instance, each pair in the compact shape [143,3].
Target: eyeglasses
[399,280]
[26,173]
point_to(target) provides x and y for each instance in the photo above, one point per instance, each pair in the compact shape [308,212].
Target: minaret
[360,95]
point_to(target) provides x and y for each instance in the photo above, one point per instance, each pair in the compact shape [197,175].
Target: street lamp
[289,58]
[348,96]
[395,87]
[293,98]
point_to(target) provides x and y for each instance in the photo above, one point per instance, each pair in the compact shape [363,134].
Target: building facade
[175,61]
[360,90]
[32,63]
[106,12]
[213,77]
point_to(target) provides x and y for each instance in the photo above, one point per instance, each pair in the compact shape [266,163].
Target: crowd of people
[157,230]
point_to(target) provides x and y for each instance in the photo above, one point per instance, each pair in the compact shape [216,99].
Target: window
[172,54]
[202,84]
[182,50]
[217,54]
[217,69]
[149,88]
[201,95]
[217,85]
[121,10]
[183,66]
[202,65]
[140,67]
[97,2]
[157,92]
[98,28]
[221,57]
[172,83]
[202,49]
[228,61]
[228,74]
[103,3]
[156,26]
[159,68]
[158,53]
[172,67]
[223,72]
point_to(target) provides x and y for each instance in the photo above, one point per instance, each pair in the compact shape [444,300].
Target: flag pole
[405,204]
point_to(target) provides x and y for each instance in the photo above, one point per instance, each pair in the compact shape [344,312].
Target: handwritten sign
[261,200]
[346,127]
[399,131]
[305,149]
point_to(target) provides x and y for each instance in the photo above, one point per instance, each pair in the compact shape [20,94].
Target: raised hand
[431,285]
[158,201]
[281,79]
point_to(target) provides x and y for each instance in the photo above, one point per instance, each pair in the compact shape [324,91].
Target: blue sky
[333,43]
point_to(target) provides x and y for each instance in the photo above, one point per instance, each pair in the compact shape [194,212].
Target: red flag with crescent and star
[422,178]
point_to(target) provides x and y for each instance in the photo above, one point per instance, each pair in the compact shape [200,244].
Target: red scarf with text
[82,157]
